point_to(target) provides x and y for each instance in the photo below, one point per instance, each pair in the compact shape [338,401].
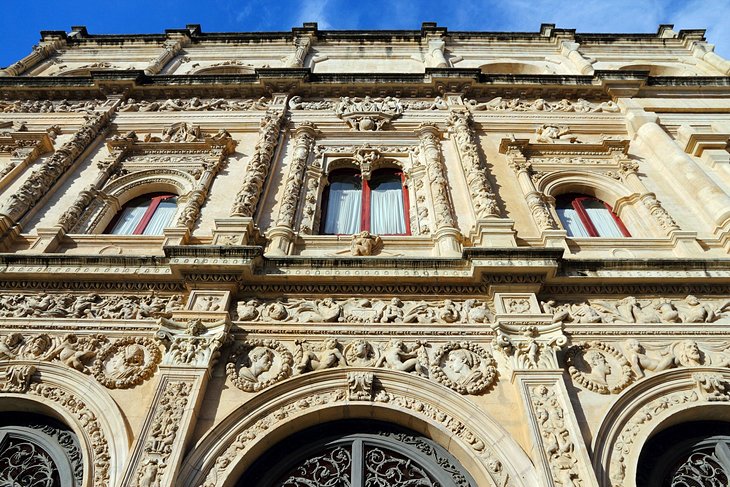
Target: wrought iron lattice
[25,463]
[708,467]
[341,455]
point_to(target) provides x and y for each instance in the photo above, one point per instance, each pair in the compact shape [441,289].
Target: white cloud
[314,11]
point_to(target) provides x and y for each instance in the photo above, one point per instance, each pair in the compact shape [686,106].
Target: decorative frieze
[364,114]
[500,104]
[364,310]
[465,367]
[194,104]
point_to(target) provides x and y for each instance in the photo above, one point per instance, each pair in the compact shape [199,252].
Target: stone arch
[115,194]
[648,407]
[515,67]
[81,404]
[661,69]
[482,447]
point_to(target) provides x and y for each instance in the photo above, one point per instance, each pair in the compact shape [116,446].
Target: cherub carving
[398,356]
[329,357]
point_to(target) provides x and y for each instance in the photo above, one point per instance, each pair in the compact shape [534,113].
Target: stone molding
[495,458]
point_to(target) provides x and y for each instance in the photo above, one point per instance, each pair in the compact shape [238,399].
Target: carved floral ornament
[464,367]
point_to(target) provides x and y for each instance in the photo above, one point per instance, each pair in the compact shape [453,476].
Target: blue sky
[22,21]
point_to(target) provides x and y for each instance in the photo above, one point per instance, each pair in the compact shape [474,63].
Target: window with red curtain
[379,205]
[145,215]
[586,216]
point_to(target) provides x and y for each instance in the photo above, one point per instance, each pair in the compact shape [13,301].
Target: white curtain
[128,220]
[162,217]
[602,219]
[571,222]
[386,209]
[343,209]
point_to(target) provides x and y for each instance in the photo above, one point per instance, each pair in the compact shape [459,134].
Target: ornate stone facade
[510,251]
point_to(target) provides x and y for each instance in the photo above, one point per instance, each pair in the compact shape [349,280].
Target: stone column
[704,51]
[570,51]
[40,183]
[43,50]
[169,50]
[193,339]
[529,341]
[282,234]
[435,57]
[489,229]
[447,235]
[241,225]
[536,200]
[301,48]
[679,166]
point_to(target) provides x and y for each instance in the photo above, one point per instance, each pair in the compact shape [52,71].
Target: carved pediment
[368,113]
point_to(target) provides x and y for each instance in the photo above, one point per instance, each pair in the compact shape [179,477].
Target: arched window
[586,216]
[356,454]
[693,454]
[148,214]
[36,451]
[378,205]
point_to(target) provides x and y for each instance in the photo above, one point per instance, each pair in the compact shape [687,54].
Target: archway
[476,441]
[356,453]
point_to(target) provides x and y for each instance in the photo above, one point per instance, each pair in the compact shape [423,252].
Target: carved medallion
[257,364]
[127,362]
[464,367]
[361,353]
[599,367]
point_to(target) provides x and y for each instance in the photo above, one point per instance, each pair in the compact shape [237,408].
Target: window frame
[577,202]
[154,202]
[366,193]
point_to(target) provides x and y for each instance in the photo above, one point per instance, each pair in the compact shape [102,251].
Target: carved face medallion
[257,364]
[127,362]
[599,367]
[464,367]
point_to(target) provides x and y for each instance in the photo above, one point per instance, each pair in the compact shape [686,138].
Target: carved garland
[482,374]
[576,354]
[138,356]
[242,353]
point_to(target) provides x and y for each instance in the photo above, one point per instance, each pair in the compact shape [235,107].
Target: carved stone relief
[88,306]
[47,106]
[462,366]
[598,367]
[258,166]
[541,105]
[127,362]
[194,104]
[368,113]
[557,443]
[163,431]
[360,386]
[633,310]
[193,343]
[256,364]
[364,310]
[365,244]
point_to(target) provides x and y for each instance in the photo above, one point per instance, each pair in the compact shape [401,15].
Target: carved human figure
[9,345]
[329,310]
[548,134]
[667,312]
[329,357]
[392,312]
[262,359]
[600,369]
[364,244]
[38,346]
[698,312]
[248,310]
[400,357]
[476,313]
[448,313]
[148,473]
[462,366]
[688,354]
[584,313]
[640,361]
[360,353]
[70,353]
[130,363]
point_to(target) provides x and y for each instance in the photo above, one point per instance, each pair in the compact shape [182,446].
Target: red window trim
[365,203]
[577,204]
[154,203]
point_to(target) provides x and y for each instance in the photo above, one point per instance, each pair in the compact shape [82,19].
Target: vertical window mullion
[154,203]
[622,228]
[365,211]
[584,218]
[358,463]
[406,204]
